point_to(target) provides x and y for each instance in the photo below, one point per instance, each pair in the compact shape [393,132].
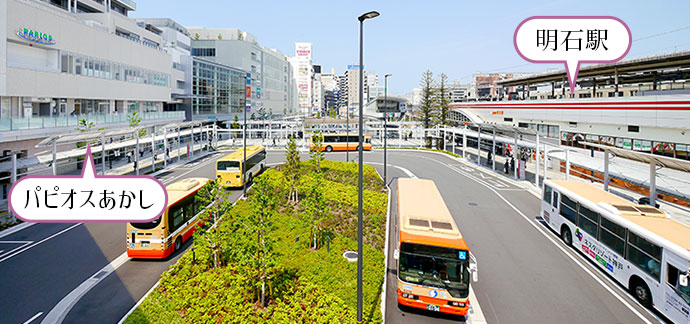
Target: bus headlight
[456,304]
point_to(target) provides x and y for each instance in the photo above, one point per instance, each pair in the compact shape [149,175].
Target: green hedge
[307,285]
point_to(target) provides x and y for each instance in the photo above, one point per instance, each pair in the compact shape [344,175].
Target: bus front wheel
[329,148]
[641,292]
[178,243]
[566,236]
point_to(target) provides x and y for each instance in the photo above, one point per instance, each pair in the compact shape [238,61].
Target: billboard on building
[304,75]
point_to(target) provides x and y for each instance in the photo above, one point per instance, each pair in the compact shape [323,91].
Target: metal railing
[24,123]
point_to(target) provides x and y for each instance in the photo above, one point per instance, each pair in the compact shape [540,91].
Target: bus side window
[672,279]
[554,203]
[547,194]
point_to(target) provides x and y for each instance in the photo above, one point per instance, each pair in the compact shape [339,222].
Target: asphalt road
[524,276]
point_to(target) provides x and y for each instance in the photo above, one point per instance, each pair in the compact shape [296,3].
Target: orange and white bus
[229,168]
[163,236]
[342,142]
[434,263]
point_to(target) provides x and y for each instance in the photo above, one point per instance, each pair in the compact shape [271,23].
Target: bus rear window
[147,226]
[228,166]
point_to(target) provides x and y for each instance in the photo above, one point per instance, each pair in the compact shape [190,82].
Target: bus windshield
[435,266]
[228,166]
[147,226]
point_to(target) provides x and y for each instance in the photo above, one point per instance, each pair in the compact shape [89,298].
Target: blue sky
[454,37]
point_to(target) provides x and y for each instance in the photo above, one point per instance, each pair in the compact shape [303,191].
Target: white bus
[638,245]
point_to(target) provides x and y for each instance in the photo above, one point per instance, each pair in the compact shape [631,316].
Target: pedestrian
[512,164]
[274,141]
[489,157]
[506,166]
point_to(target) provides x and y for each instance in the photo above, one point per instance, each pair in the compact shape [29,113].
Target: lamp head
[368,15]
[387,75]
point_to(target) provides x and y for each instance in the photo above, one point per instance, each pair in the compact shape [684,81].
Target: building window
[203,52]
[633,129]
[507,119]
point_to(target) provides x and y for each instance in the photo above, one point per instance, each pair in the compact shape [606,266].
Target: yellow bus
[434,263]
[229,168]
[342,142]
[163,236]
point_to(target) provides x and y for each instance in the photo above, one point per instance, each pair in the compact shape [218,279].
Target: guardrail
[24,123]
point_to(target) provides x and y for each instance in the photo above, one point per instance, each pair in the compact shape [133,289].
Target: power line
[661,34]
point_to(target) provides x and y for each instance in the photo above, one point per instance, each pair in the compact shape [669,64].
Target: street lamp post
[368,15]
[385,127]
[244,139]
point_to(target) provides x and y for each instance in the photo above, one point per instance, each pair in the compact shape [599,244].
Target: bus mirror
[475,275]
[683,279]
[396,254]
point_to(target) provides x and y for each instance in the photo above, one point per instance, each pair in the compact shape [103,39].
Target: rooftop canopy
[671,66]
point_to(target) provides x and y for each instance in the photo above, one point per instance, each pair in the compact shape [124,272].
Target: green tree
[316,151]
[134,120]
[292,168]
[239,35]
[220,37]
[212,235]
[315,204]
[196,36]
[332,113]
[443,105]
[427,106]
[261,225]
[83,126]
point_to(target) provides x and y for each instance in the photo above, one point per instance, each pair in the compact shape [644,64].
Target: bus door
[674,300]
[549,204]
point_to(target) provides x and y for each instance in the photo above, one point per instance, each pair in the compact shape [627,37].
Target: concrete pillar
[546,159]
[178,144]
[153,148]
[515,156]
[652,183]
[567,164]
[615,76]
[102,153]
[14,168]
[452,141]
[464,141]
[165,147]
[54,158]
[536,169]
[479,145]
[136,156]
[493,151]
[606,170]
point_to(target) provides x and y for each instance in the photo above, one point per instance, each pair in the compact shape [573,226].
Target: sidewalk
[678,213]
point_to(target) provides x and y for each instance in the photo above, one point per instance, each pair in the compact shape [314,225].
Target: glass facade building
[218,89]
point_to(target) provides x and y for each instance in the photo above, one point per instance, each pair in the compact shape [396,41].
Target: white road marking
[33,318]
[406,171]
[16,228]
[475,314]
[37,243]
[59,312]
[23,244]
[623,301]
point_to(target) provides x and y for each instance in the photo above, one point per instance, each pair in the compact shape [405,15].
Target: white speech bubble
[572,40]
[88,197]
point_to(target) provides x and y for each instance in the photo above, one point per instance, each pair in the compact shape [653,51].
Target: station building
[640,104]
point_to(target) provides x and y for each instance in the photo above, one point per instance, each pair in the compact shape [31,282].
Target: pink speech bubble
[535,42]
[30,196]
